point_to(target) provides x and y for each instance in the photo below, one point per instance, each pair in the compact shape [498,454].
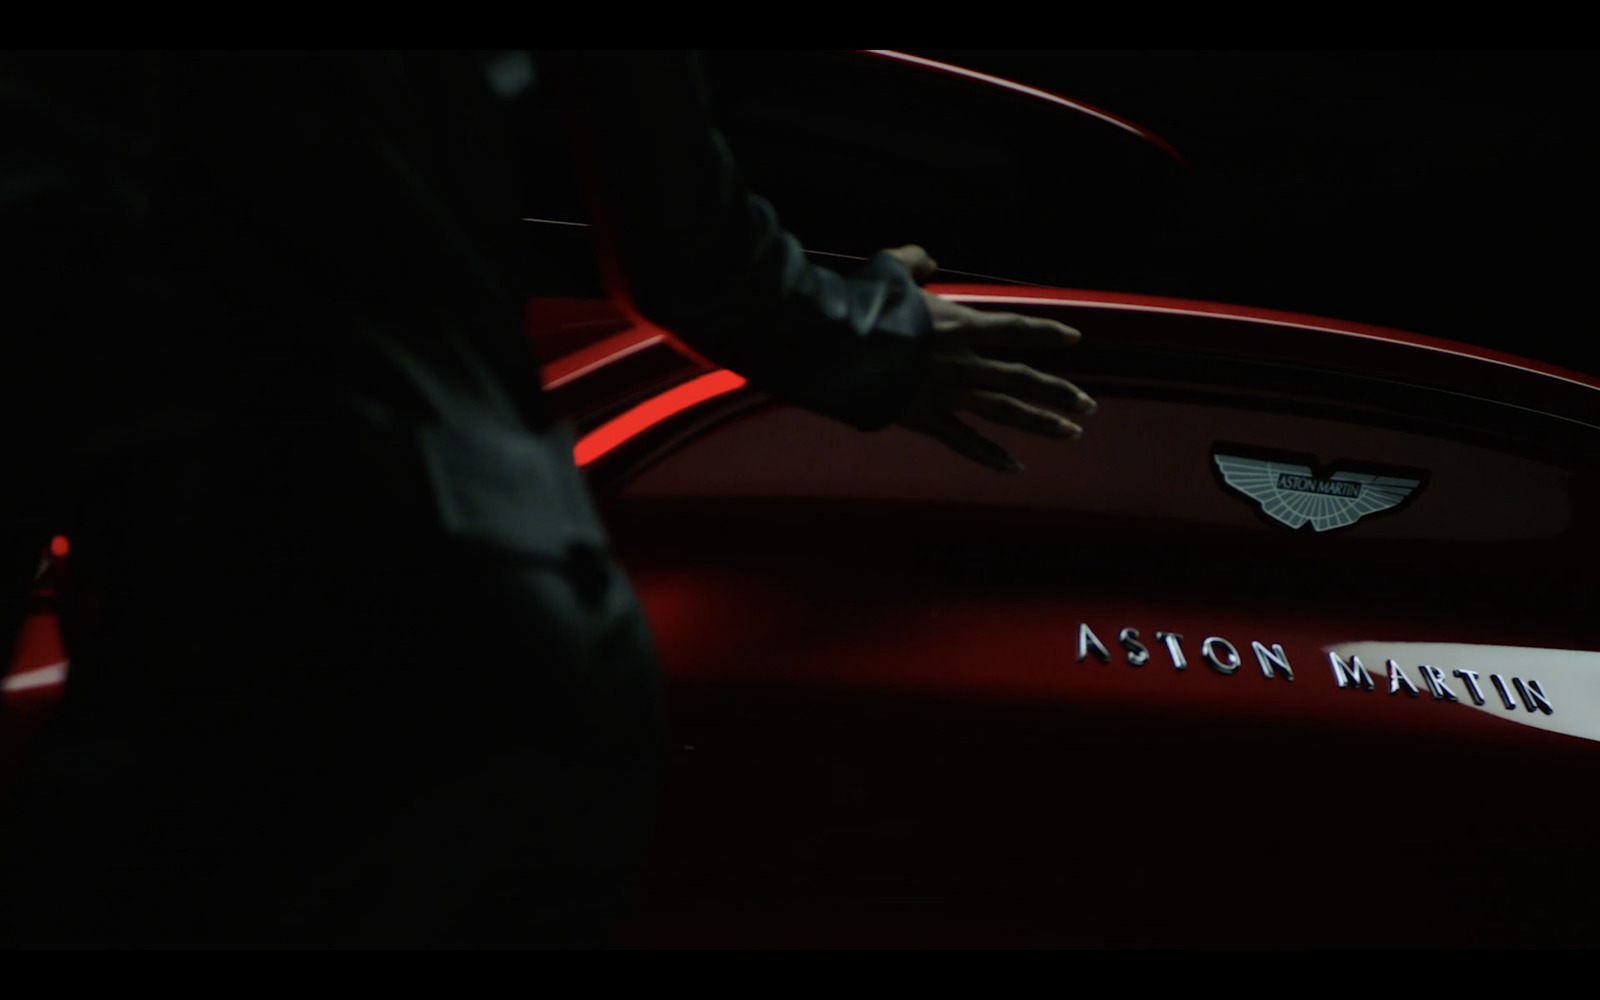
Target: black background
[1445,193]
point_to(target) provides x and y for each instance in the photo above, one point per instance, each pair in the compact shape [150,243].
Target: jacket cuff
[875,384]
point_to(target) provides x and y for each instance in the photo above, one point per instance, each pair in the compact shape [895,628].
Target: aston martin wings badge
[1291,492]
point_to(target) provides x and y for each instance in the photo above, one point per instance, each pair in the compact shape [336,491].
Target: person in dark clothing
[351,665]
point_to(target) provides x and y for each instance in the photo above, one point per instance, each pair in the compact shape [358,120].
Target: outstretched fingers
[1011,378]
[1014,330]
[1004,392]
[1012,412]
[956,435]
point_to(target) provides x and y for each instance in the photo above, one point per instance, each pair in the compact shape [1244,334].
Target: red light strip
[646,415]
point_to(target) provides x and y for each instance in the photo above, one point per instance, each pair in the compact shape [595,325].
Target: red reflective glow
[58,546]
[1133,302]
[50,675]
[1027,91]
[647,414]
[585,360]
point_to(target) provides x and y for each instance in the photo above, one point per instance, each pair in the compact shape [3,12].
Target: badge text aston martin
[1349,673]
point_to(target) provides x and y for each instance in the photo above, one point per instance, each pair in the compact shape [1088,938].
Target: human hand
[1005,392]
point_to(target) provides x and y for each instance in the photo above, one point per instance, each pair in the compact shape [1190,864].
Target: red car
[1295,646]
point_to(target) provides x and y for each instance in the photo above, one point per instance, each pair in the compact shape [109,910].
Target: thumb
[916,260]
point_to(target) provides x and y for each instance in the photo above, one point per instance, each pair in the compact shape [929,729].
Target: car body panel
[897,729]
[894,725]
[887,733]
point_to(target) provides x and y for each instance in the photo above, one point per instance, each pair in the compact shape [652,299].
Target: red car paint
[887,736]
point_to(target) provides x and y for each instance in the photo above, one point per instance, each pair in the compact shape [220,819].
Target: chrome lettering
[1273,659]
[1171,639]
[1398,679]
[1306,484]
[1435,679]
[1505,696]
[1138,656]
[1526,702]
[1531,693]
[1208,653]
[1087,640]
[1471,677]
[1350,676]
[1535,692]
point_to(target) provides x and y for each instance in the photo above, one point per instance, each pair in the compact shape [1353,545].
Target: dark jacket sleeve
[71,192]
[705,258]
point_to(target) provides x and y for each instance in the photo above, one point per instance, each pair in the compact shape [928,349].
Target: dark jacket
[346,666]
[194,239]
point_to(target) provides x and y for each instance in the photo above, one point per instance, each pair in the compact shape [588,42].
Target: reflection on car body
[920,703]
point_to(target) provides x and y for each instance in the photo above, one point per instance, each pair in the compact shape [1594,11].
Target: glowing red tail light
[641,418]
